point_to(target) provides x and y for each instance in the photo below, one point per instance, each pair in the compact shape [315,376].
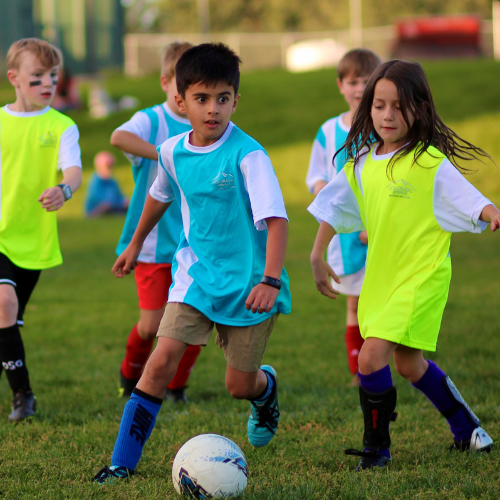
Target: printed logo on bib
[223,181]
[48,140]
[401,189]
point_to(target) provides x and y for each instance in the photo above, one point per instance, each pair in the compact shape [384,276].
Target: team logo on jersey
[223,181]
[401,189]
[48,140]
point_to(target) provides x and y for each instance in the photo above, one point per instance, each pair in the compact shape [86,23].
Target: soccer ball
[209,466]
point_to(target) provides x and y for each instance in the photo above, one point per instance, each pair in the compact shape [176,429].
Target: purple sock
[376,382]
[432,385]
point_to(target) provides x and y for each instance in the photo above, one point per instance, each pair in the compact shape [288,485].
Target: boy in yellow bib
[408,194]
[35,141]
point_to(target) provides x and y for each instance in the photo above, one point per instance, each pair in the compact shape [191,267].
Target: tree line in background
[181,16]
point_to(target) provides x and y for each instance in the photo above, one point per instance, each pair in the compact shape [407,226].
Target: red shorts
[153,282]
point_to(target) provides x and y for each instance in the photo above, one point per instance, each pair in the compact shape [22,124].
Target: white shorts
[351,283]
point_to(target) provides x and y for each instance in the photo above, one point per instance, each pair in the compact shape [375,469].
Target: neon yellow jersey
[408,265]
[29,149]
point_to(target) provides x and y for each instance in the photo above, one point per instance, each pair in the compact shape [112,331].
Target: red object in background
[439,36]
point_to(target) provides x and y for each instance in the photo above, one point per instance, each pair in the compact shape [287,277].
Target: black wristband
[267,280]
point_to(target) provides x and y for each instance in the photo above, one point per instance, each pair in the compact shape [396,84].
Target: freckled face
[387,118]
[35,84]
[209,110]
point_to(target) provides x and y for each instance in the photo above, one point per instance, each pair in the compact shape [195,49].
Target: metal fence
[263,50]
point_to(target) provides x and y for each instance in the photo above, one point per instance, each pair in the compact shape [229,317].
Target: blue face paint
[54,82]
[35,83]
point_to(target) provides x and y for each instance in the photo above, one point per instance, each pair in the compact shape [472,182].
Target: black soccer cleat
[369,459]
[23,406]
[108,474]
[127,385]
[176,395]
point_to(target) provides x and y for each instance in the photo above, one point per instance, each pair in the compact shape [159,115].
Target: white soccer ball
[209,466]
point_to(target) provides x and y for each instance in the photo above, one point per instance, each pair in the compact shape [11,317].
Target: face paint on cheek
[35,83]
[54,82]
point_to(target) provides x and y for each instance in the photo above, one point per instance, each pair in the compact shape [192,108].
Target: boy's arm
[53,198]
[151,215]
[133,144]
[318,186]
[262,297]
[320,268]
[491,214]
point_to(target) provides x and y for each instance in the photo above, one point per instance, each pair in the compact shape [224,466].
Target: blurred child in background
[104,195]
[346,252]
[138,139]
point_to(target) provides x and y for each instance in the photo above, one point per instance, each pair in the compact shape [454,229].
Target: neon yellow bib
[29,148]
[408,269]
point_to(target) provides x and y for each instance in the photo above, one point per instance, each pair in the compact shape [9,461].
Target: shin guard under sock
[353,341]
[136,356]
[443,394]
[138,421]
[378,401]
[185,367]
[13,358]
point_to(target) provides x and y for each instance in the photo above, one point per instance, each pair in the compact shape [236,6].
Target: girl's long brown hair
[414,98]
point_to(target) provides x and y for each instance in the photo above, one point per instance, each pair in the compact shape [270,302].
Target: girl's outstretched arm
[320,268]
[491,214]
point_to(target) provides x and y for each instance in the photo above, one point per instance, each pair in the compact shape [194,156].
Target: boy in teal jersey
[228,267]
[138,139]
[347,252]
[35,142]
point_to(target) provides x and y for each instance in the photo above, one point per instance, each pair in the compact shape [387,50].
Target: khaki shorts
[243,346]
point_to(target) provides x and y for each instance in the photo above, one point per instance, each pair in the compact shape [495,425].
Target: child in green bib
[407,192]
[35,142]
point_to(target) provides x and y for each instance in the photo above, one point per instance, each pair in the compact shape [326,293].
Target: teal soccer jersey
[154,125]
[225,192]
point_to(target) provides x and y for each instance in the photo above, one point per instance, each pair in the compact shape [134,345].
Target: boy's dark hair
[415,99]
[358,62]
[210,64]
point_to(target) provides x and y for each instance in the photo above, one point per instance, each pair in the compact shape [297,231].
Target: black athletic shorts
[23,280]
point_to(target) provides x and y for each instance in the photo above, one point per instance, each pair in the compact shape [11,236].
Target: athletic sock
[136,356]
[353,341]
[377,382]
[185,367]
[267,391]
[13,358]
[138,421]
[431,384]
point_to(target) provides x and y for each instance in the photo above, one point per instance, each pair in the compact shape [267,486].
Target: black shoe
[23,406]
[127,385]
[176,395]
[107,474]
[369,459]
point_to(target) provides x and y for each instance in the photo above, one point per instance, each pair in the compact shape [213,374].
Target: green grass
[79,318]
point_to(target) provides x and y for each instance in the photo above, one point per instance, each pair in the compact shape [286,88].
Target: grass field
[79,318]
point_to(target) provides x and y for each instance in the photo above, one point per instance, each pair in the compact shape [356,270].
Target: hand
[126,262]
[261,298]
[495,221]
[52,199]
[322,273]
[363,237]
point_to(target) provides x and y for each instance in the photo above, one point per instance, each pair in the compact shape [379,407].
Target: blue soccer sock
[376,382]
[268,390]
[431,384]
[138,421]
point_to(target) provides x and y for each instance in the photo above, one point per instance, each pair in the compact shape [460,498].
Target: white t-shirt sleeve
[336,204]
[457,203]
[69,154]
[139,125]
[161,189]
[317,166]
[263,188]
